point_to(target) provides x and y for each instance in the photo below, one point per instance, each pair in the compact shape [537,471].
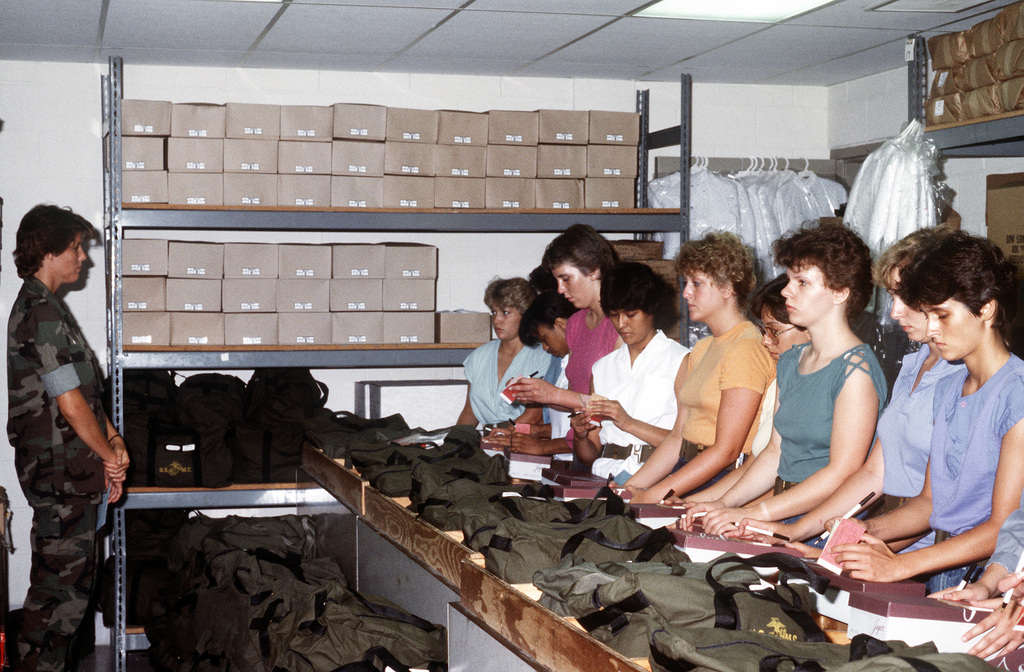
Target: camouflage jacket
[46,357]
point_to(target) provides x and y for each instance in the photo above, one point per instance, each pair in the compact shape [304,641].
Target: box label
[198,340]
[613,137]
[135,165]
[512,172]
[305,340]
[252,340]
[306,132]
[357,339]
[407,203]
[252,130]
[411,273]
[563,172]
[195,165]
[357,272]
[193,306]
[609,204]
[250,271]
[463,140]
[197,133]
[142,340]
[406,135]
[357,305]
[613,171]
[357,204]
[408,305]
[940,107]
[304,272]
[460,204]
[352,168]
[250,200]
[303,169]
[510,204]
[411,169]
[359,131]
[304,201]
[409,339]
[141,267]
[250,166]
[303,305]
[513,138]
[143,128]
[140,199]
[196,200]
[250,305]
[563,136]
[195,270]
[460,172]
[557,205]
[137,305]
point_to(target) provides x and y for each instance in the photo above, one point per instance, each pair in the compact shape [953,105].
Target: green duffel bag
[334,431]
[453,460]
[517,549]
[451,504]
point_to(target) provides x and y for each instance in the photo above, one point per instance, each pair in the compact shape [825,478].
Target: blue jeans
[947,579]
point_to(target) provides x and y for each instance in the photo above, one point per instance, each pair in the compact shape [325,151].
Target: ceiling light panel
[758,11]
[939,6]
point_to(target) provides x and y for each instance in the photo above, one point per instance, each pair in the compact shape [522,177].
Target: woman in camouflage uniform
[67,452]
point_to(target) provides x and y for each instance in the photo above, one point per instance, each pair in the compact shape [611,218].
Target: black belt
[690,450]
[781,486]
[616,452]
[890,503]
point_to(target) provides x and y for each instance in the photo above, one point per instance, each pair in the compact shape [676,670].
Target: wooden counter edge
[344,484]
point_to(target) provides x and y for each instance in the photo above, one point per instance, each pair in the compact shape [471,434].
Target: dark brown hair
[769,297]
[580,246]
[47,229]
[635,286]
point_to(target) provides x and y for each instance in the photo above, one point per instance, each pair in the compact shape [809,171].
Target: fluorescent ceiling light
[938,6]
[756,11]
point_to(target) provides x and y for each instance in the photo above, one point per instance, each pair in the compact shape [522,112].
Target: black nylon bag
[208,403]
[264,454]
[149,392]
[170,456]
[283,395]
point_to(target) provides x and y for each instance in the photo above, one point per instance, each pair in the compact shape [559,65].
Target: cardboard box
[461,128]
[307,123]
[304,261]
[197,329]
[193,295]
[462,327]
[195,260]
[357,294]
[357,261]
[409,158]
[310,191]
[195,188]
[143,293]
[250,329]
[249,295]
[408,327]
[1004,212]
[197,120]
[250,156]
[354,328]
[360,122]
[510,161]
[143,256]
[512,127]
[614,128]
[460,161]
[357,192]
[410,260]
[303,158]
[408,125]
[459,192]
[252,121]
[510,193]
[563,127]
[310,329]
[303,296]
[145,117]
[610,161]
[559,194]
[638,250]
[194,155]
[409,294]
[144,186]
[401,191]
[250,189]
[561,161]
[146,329]
[606,193]
[250,260]
[142,153]
[363,159]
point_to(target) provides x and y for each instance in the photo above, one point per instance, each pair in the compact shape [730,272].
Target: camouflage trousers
[61,580]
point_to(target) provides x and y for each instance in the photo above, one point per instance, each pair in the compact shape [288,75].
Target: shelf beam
[311,359]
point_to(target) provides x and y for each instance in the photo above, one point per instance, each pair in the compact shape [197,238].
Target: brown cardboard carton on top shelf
[1013,21]
[459,192]
[297,329]
[409,294]
[1004,212]
[1008,60]
[511,161]
[143,153]
[614,128]
[946,82]
[948,50]
[982,102]
[197,329]
[410,260]
[249,295]
[510,193]
[357,328]
[357,294]
[145,117]
[979,72]
[460,161]
[195,260]
[409,158]
[192,295]
[984,37]
[462,128]
[357,260]
[303,295]
[146,329]
[195,188]
[561,161]
[309,123]
[362,159]
[195,155]
[144,256]
[357,192]
[250,156]
[256,189]
[403,192]
[563,127]
[611,161]
[144,186]
[462,327]
[309,191]
[360,122]
[636,250]
[559,194]
[607,193]
[512,127]
[144,293]
[944,110]
[250,260]
[1011,94]
[197,120]
[409,125]
[252,121]
[250,329]
[303,158]
[304,261]
[408,327]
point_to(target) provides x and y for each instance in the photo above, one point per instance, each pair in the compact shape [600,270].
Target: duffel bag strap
[861,646]
[648,542]
[615,506]
[614,615]
[395,614]
[262,626]
[771,664]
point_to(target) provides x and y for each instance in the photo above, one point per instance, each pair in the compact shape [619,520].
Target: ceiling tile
[186,24]
[608,8]
[13,51]
[845,68]
[24,22]
[857,14]
[180,57]
[489,67]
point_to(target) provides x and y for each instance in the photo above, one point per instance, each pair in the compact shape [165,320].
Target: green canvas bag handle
[861,646]
[648,543]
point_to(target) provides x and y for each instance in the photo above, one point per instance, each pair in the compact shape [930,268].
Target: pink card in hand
[846,532]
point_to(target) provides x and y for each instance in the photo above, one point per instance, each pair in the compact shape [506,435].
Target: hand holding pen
[848,515]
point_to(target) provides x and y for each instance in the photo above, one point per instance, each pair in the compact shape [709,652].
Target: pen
[968,577]
[751,528]
[1008,594]
[668,494]
[533,375]
[850,513]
